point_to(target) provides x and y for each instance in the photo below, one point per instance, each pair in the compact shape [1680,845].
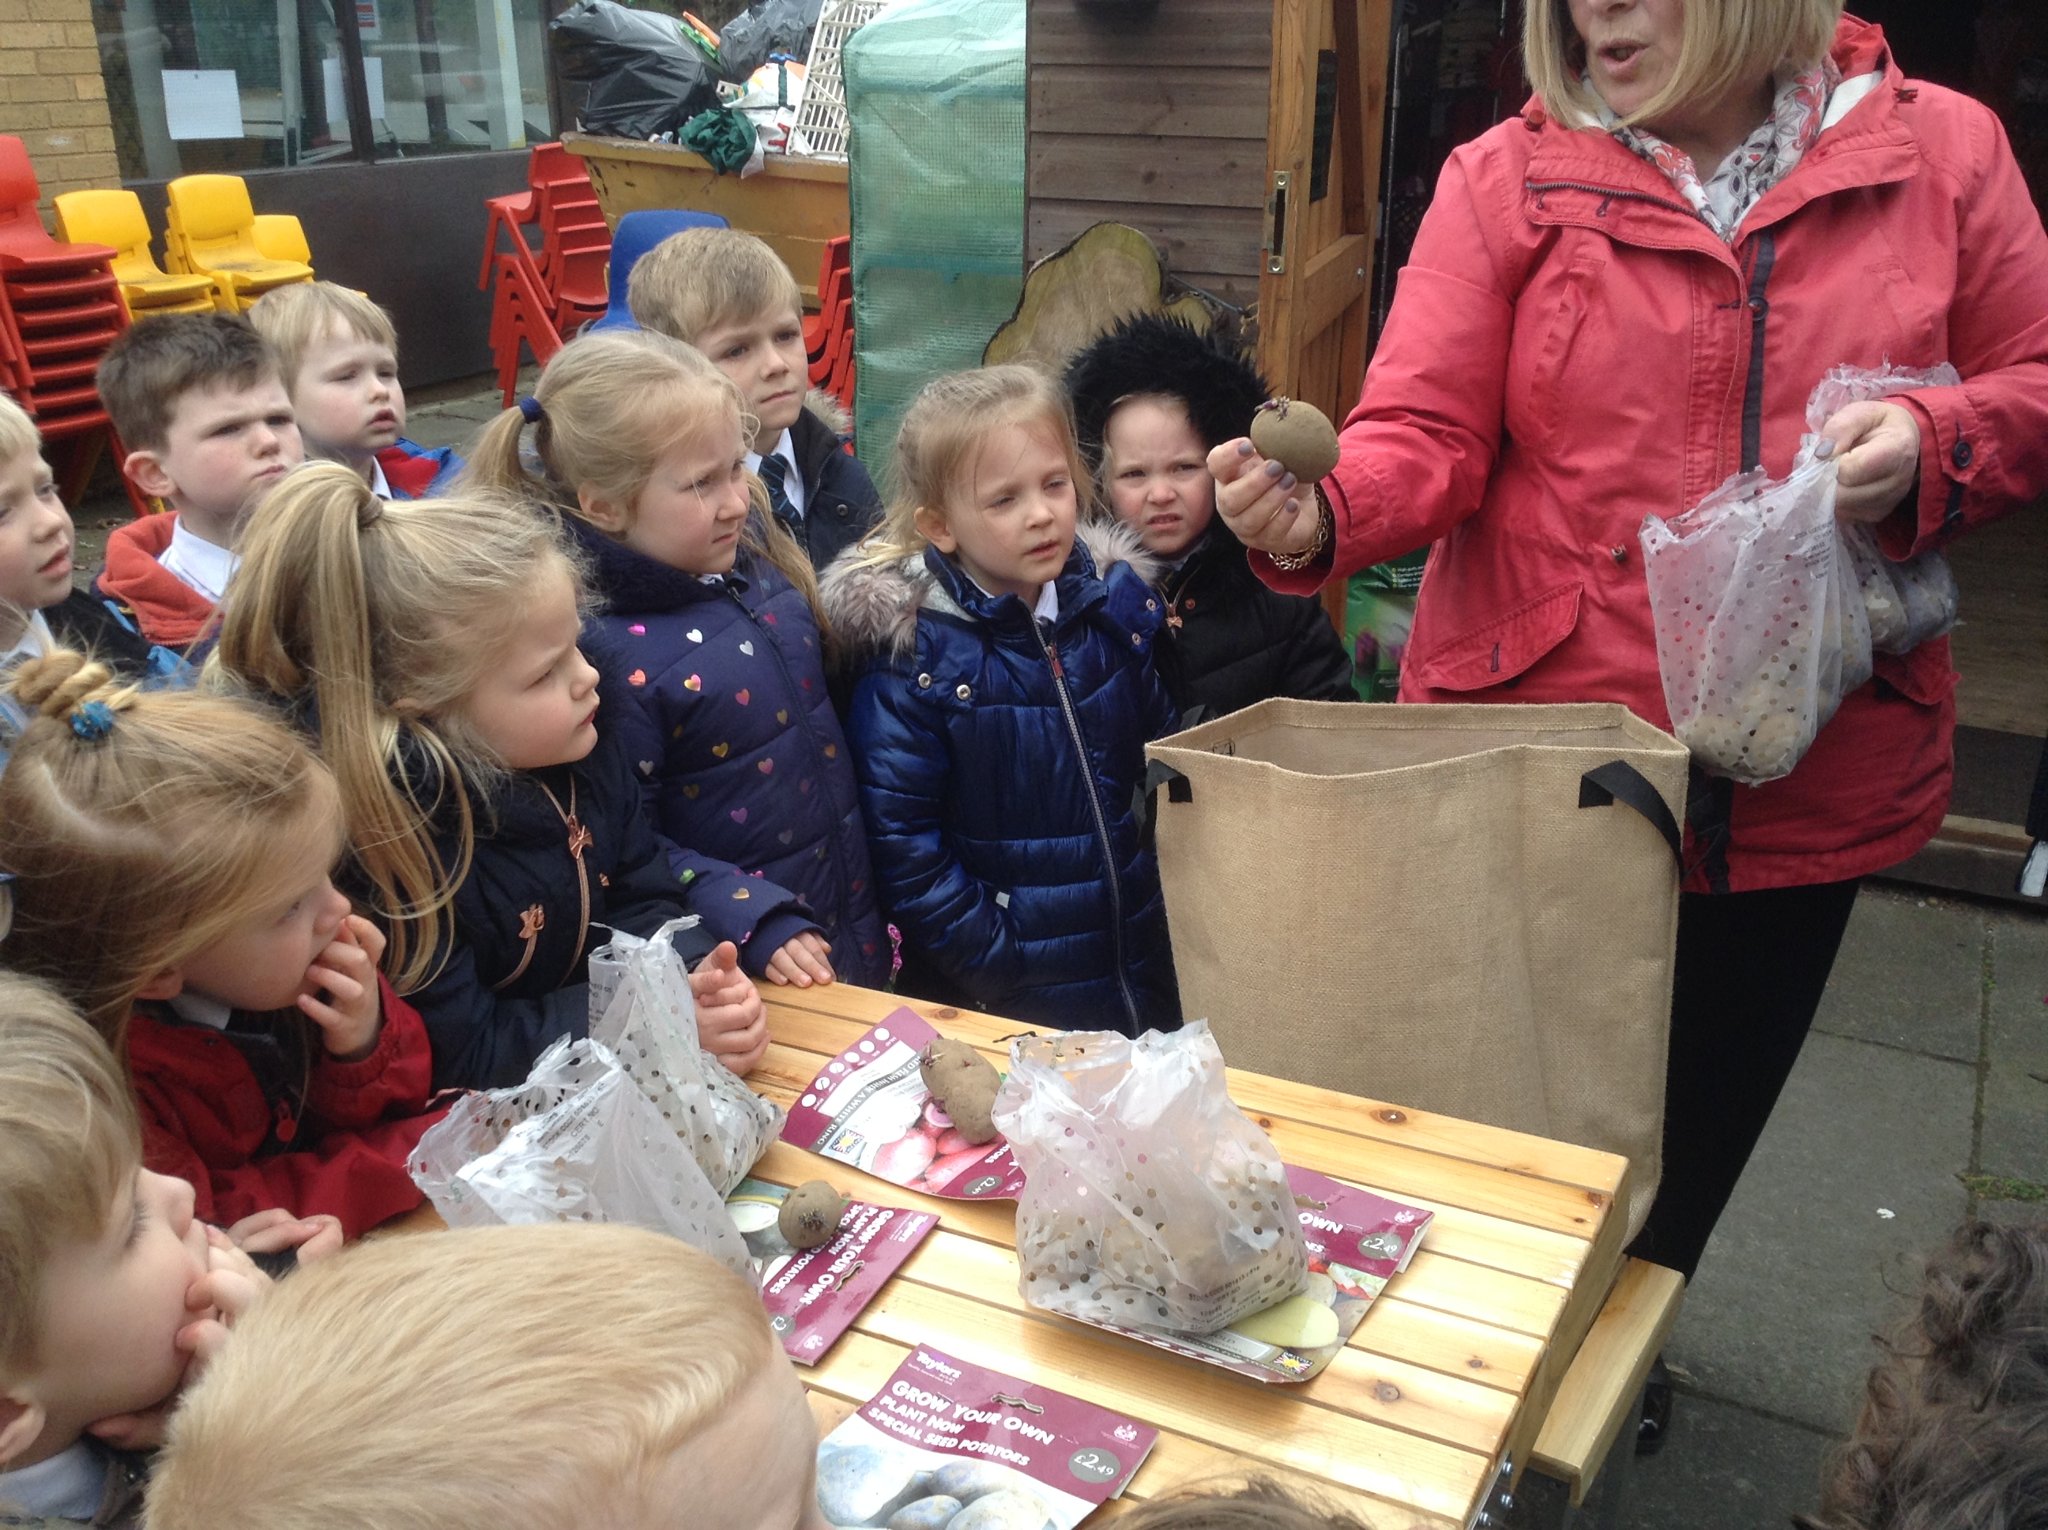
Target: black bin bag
[765,27]
[645,77]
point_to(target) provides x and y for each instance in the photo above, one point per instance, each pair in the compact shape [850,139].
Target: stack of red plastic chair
[60,308]
[829,336]
[551,287]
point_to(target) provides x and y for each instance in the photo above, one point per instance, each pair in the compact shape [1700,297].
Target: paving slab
[1856,1176]
[1726,1468]
[2014,1141]
[1910,974]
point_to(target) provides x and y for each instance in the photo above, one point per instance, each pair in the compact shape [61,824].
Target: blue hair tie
[530,407]
[92,720]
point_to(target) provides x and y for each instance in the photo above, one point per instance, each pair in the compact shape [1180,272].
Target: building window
[236,85]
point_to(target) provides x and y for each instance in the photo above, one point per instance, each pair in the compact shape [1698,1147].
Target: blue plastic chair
[637,233]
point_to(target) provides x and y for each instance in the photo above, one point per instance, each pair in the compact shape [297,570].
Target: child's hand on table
[731,1024]
[802,961]
[341,996]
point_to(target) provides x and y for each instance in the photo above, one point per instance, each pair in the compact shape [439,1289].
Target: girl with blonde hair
[710,607]
[1005,691]
[432,648]
[169,856]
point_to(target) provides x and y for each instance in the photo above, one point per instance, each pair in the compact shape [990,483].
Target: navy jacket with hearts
[725,716]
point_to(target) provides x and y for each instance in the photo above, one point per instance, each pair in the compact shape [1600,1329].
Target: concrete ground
[1921,1099]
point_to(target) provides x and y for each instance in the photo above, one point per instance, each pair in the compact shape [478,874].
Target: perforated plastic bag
[577,1142]
[641,1009]
[1907,603]
[1764,605]
[1150,1200]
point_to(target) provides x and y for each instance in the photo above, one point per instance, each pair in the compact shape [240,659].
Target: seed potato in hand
[1298,436]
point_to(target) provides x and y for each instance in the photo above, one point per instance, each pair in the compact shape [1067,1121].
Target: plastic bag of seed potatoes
[1149,1200]
[640,1008]
[577,1142]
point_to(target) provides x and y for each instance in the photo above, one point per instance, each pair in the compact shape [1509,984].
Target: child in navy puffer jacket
[709,606]
[1006,690]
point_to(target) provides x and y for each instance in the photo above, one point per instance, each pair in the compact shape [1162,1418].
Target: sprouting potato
[810,1215]
[1296,435]
[965,1084]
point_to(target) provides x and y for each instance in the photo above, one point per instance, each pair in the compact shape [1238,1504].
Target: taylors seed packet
[1357,1243]
[949,1444]
[869,1107]
[814,1294]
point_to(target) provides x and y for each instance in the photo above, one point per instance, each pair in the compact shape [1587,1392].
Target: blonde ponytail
[380,619]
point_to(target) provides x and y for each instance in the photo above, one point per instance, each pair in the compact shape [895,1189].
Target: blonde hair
[142,827]
[69,1143]
[612,405]
[295,318]
[1727,45]
[939,446]
[705,276]
[426,1381]
[18,433]
[383,617]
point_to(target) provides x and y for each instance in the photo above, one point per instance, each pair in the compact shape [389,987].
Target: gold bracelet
[1293,563]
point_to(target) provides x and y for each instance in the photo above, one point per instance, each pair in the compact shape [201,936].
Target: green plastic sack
[722,136]
[1379,612]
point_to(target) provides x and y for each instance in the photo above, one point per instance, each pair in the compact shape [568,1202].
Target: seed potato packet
[869,1107]
[1357,1243]
[945,1439]
[814,1294]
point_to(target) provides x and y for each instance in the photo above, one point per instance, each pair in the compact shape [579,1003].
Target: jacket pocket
[1924,674]
[1503,648]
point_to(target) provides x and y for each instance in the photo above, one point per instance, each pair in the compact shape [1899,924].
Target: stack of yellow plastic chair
[212,232]
[115,218]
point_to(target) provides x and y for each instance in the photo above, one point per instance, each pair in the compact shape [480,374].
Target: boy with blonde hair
[728,294]
[199,405]
[39,609]
[110,1289]
[338,352]
[524,1378]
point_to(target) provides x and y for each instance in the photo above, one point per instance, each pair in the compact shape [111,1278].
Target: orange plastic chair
[212,232]
[116,218]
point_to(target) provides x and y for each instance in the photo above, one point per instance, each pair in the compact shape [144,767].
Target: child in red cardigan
[170,856]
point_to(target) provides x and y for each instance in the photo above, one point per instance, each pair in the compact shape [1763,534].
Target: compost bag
[645,77]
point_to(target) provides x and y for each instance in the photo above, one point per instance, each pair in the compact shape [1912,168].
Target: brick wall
[52,95]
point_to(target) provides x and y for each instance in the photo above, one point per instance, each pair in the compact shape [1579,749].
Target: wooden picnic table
[1449,1375]
[1450,1372]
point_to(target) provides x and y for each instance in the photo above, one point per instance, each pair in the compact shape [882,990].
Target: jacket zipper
[1753,386]
[1610,193]
[1116,902]
[802,713]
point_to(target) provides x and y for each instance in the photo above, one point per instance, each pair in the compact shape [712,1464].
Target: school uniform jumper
[999,764]
[739,752]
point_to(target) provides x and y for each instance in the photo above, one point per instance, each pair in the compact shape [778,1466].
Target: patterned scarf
[1757,164]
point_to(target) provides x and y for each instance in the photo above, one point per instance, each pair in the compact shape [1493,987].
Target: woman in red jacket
[1618,299]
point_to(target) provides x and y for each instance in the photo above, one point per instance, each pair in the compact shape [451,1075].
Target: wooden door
[1326,112]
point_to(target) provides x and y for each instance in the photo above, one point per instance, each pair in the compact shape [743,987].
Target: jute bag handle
[1602,786]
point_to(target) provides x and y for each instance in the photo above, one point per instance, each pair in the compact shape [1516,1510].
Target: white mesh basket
[821,126]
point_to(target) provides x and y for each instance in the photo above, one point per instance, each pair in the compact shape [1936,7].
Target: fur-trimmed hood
[873,607]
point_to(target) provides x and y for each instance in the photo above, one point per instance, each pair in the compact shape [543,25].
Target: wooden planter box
[796,205]
[1242,136]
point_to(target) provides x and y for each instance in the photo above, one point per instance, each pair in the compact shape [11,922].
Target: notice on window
[337,103]
[203,103]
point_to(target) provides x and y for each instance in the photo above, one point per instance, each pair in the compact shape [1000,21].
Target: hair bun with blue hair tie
[530,407]
[92,720]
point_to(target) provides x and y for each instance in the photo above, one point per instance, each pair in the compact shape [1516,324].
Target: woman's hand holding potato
[1264,504]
